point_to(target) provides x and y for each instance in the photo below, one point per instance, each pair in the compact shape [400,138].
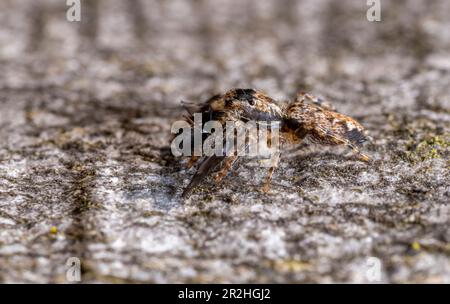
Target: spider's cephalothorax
[236,105]
[306,117]
[252,105]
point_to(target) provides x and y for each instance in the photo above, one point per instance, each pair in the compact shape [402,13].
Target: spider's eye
[245,95]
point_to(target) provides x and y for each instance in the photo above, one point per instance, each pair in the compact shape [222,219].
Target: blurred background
[86,109]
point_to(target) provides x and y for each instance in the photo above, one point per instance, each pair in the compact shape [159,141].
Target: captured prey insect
[306,118]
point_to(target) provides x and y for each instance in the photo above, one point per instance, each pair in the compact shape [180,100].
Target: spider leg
[225,168]
[192,161]
[229,162]
[274,163]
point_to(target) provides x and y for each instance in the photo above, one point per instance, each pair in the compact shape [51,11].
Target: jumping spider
[306,118]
